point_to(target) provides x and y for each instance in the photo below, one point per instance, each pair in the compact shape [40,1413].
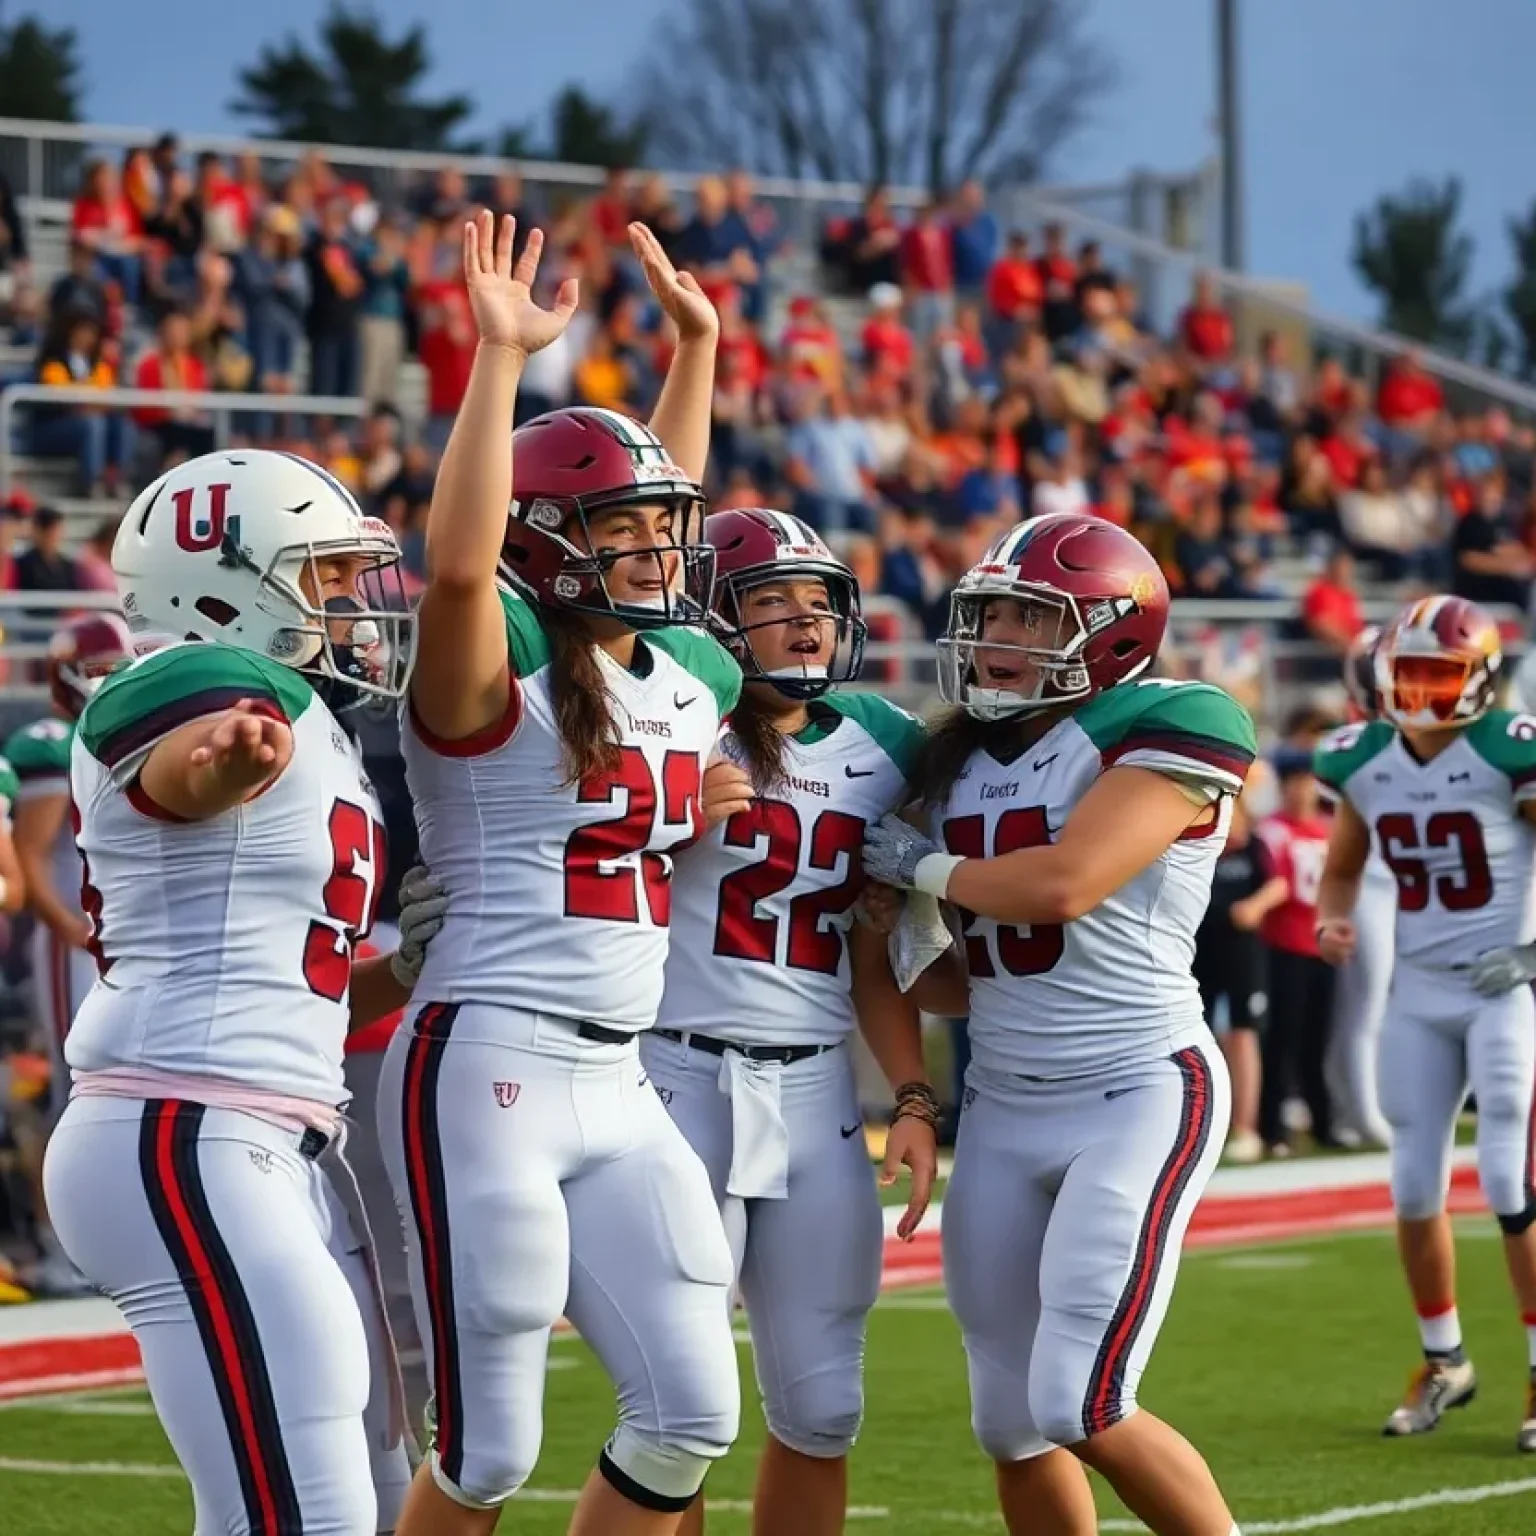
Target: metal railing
[218,405]
[43,160]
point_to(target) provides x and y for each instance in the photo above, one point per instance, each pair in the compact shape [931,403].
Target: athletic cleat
[1243,1147]
[1526,1439]
[1435,1389]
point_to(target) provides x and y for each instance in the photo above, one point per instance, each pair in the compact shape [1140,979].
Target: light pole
[1228,105]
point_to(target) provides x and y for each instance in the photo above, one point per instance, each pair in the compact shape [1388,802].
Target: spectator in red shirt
[224,203]
[1330,609]
[447,351]
[1349,448]
[928,271]
[1409,398]
[809,345]
[1015,293]
[105,220]
[1058,281]
[172,364]
[1205,328]
[611,209]
[1295,841]
[887,343]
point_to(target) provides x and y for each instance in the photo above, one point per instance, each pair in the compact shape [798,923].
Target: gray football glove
[422,905]
[1503,970]
[893,850]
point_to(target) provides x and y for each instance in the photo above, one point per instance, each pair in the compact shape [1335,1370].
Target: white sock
[1440,1333]
[1530,1339]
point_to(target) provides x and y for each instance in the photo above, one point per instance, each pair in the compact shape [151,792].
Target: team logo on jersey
[506,1093]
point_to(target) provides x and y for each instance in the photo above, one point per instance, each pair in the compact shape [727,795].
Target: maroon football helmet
[754,546]
[81,654]
[1095,605]
[1360,673]
[569,465]
[1437,664]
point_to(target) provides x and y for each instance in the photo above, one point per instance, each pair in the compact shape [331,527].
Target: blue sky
[1344,98]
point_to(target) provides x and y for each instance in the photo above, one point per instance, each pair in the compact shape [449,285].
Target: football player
[561,723]
[1075,810]
[1443,787]
[767,977]
[232,849]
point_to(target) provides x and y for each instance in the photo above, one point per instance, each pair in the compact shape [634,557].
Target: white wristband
[933,871]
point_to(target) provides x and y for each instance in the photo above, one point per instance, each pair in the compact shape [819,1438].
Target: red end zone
[78,1346]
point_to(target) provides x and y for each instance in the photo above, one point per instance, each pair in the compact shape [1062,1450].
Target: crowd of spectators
[948,377]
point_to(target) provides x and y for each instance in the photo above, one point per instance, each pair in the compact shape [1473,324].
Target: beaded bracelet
[917,1101]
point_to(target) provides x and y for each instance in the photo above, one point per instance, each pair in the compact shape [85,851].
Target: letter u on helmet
[216,550]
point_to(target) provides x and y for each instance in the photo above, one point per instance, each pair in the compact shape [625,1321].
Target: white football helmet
[216,549]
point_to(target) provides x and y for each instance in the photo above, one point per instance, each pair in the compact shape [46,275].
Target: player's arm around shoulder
[1173,754]
[194,731]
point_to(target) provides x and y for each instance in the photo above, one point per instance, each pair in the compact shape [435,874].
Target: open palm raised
[500,294]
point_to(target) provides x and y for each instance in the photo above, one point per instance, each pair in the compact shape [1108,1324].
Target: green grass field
[1279,1362]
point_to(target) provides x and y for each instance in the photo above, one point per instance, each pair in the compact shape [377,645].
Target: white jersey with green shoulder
[225,945]
[560,894]
[1114,987]
[39,755]
[1450,830]
[762,906]
[10,788]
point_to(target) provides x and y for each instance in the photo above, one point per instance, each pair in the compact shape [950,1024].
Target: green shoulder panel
[10,787]
[1195,721]
[527,644]
[897,734]
[1341,754]
[1506,741]
[162,692]
[41,750]
[705,658]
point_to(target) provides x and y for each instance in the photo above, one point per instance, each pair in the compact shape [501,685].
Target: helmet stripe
[628,431]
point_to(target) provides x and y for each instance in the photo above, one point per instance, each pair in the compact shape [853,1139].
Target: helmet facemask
[683,563]
[995,678]
[815,676]
[355,647]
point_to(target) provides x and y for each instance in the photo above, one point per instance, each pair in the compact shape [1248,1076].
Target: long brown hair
[583,706]
[955,735]
[762,743]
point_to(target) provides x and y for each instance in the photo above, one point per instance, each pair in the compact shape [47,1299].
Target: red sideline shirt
[1294,852]
[377,1035]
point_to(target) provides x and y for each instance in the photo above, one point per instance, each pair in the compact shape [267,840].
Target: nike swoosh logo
[1118,1093]
[1460,778]
[1045,762]
[850,1130]
[678,702]
[858,773]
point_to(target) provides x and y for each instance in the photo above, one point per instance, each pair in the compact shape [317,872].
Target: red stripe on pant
[1101,1404]
[429,1207]
[178,1201]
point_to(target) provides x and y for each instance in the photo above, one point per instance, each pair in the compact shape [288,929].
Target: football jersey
[1450,830]
[1295,852]
[762,906]
[225,945]
[10,788]
[39,755]
[1114,987]
[560,894]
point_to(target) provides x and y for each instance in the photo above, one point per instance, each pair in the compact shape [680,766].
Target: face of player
[332,582]
[646,577]
[793,629]
[1016,633]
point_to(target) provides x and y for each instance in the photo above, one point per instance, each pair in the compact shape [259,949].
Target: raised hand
[678,293]
[246,748]
[500,295]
